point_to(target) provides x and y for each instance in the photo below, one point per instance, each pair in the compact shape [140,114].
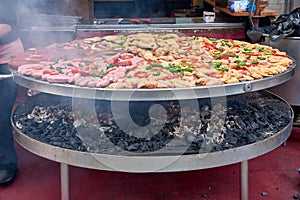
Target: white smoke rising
[40,26]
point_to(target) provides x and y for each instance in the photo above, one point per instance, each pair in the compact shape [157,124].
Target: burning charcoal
[150,144]
[62,133]
[240,134]
[74,143]
[122,144]
[240,123]
[254,125]
[259,115]
[248,120]
[218,147]
[251,138]
[68,133]
[231,138]
[41,126]
[165,131]
[77,138]
[133,147]
[162,143]
[118,133]
[144,147]
[158,136]
[34,124]
[155,146]
[57,139]
[252,107]
[67,146]
[55,143]
[55,132]
[48,136]
[260,132]
[227,145]
[27,129]
[131,139]
[56,123]
[114,140]
[261,123]
[45,132]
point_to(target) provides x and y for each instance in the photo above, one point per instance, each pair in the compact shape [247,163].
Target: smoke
[34,7]
[28,12]
[39,26]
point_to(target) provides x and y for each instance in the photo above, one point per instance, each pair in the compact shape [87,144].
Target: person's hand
[4,29]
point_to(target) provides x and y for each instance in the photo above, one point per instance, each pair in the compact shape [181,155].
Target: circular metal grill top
[153,94]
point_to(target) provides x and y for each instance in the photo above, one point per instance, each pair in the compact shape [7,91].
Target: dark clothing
[8,89]
[8,93]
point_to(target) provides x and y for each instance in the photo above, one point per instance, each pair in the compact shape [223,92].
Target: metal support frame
[244,181]
[88,160]
[244,172]
[5,76]
[64,181]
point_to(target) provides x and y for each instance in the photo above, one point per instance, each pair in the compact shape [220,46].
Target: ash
[245,119]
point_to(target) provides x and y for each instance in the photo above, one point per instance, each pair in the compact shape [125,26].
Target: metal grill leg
[64,181]
[244,180]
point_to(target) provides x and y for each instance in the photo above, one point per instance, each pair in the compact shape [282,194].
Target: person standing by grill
[10,45]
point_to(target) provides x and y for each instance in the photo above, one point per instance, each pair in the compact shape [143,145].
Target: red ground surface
[274,173]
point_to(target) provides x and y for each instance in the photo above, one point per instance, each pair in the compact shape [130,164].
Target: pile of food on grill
[241,120]
[151,60]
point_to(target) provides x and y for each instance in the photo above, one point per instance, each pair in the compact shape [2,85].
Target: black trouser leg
[8,94]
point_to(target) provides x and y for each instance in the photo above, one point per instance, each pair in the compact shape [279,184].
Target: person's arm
[4,29]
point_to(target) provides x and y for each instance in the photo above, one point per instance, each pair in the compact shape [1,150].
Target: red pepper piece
[51,72]
[140,74]
[224,57]
[125,57]
[135,20]
[211,46]
[280,55]
[119,63]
